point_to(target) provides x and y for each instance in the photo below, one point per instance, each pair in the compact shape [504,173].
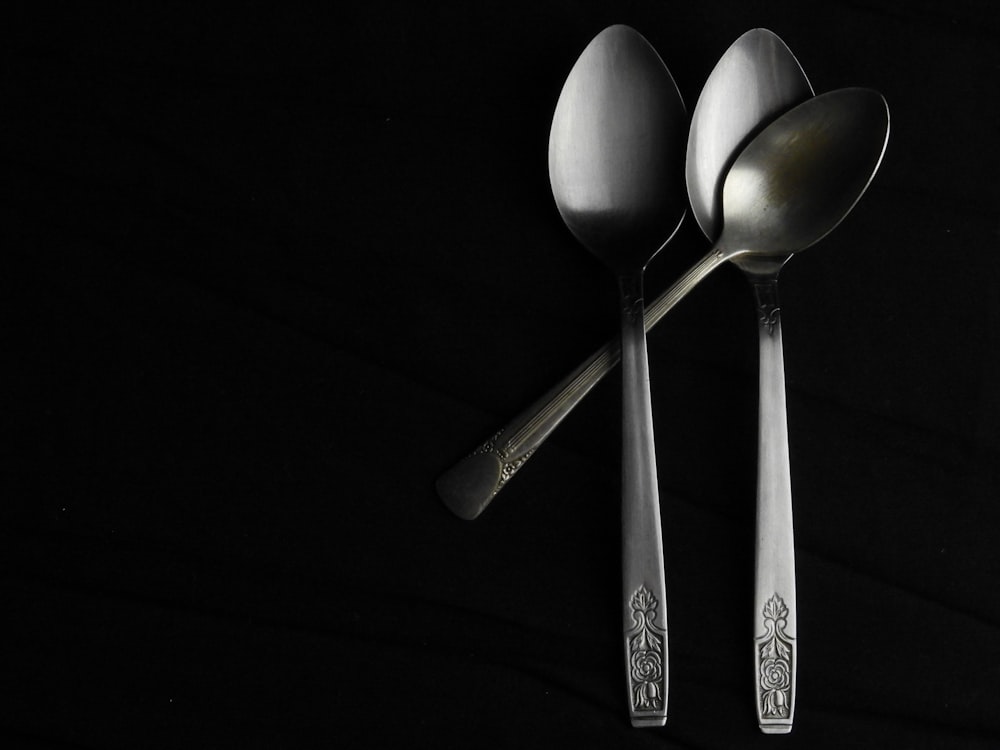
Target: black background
[269,273]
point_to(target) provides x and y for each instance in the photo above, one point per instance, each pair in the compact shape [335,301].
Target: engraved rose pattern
[774,675]
[646,666]
[645,645]
[775,659]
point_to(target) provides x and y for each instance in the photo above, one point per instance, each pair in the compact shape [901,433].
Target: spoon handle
[469,486]
[644,607]
[775,612]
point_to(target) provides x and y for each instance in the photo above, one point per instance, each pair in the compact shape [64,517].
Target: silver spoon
[770,81]
[734,102]
[616,164]
[791,186]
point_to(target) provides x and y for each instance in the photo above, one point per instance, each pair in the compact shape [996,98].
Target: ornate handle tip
[467,488]
[646,653]
[776,660]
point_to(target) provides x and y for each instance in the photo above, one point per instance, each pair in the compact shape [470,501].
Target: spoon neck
[632,301]
[765,292]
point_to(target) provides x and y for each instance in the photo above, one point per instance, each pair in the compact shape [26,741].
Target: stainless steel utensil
[616,168]
[791,186]
[736,99]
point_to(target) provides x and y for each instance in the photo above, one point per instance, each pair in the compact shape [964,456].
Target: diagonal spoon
[769,80]
[734,102]
[616,167]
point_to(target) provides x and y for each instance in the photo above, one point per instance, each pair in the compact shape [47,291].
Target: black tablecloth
[269,273]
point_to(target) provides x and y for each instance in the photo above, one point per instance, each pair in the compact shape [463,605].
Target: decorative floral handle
[644,587]
[646,648]
[776,661]
[774,597]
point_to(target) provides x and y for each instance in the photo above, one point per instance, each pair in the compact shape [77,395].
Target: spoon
[734,102]
[788,188]
[772,81]
[616,166]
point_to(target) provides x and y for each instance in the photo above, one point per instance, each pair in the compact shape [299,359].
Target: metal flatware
[786,190]
[757,79]
[792,185]
[616,168]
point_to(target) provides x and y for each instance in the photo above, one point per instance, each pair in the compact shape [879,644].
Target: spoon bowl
[802,175]
[616,157]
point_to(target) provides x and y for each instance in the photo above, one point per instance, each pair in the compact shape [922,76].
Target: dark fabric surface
[270,273]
